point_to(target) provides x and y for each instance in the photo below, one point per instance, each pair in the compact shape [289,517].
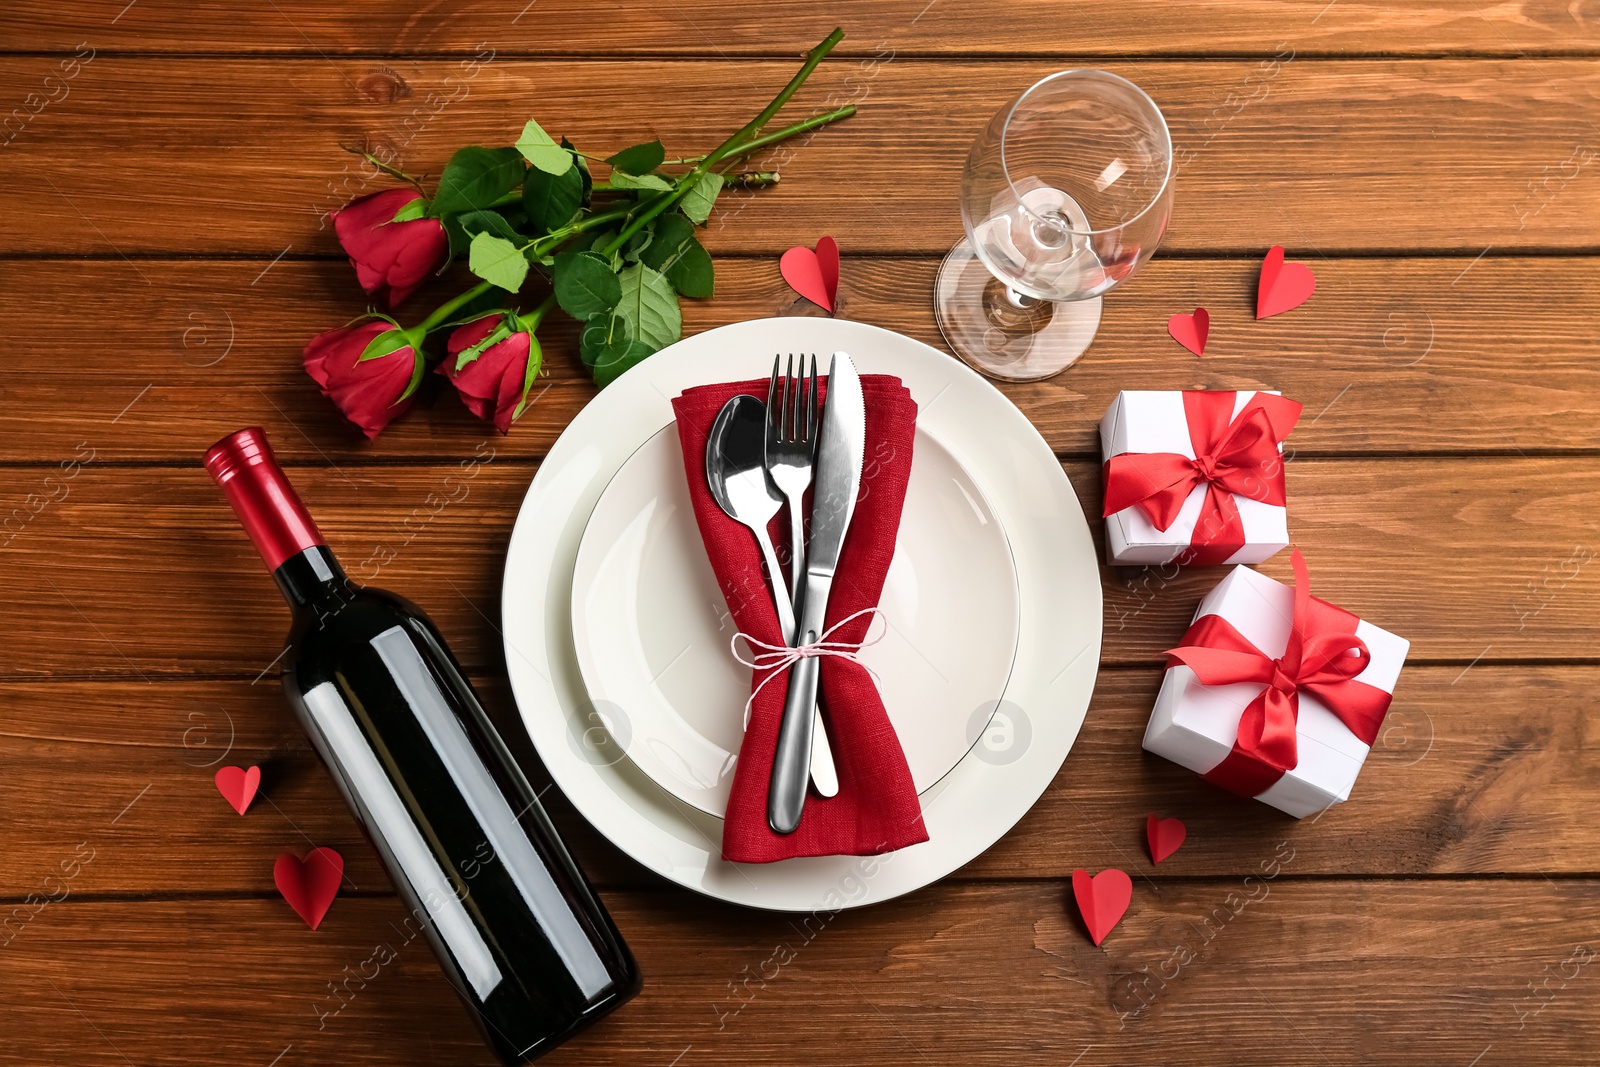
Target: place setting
[675,630]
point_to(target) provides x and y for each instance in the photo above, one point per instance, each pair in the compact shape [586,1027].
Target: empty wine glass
[1064,195]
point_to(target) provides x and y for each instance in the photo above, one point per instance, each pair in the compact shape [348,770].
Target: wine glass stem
[1021,301]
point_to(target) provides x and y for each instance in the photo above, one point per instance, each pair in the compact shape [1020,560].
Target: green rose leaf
[386,343]
[640,159]
[597,333]
[583,170]
[474,178]
[654,182]
[691,272]
[634,250]
[490,222]
[458,237]
[551,200]
[612,360]
[585,286]
[497,261]
[416,209]
[676,253]
[608,348]
[649,306]
[540,149]
[699,200]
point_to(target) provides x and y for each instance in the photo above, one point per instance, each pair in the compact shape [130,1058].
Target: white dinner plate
[653,632]
[1030,732]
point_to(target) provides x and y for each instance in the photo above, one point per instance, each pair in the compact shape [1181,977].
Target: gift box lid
[1154,421]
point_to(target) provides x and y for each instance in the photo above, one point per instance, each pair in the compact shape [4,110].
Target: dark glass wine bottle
[518,930]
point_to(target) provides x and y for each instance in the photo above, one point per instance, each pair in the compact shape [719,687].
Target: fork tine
[800,400]
[772,398]
[788,399]
[803,412]
[811,405]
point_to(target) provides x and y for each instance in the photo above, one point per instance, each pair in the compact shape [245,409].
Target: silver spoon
[737,477]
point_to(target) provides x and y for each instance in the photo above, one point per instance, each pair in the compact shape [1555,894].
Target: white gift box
[1155,421]
[1196,725]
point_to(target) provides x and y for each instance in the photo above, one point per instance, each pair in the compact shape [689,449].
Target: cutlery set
[759,457]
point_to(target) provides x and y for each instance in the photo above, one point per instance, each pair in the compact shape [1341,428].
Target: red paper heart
[1283,285]
[1102,899]
[1166,836]
[309,885]
[238,787]
[1190,330]
[814,274]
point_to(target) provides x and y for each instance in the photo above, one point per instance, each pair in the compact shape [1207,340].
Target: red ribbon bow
[1233,457]
[1323,658]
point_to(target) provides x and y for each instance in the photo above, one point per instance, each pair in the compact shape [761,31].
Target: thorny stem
[451,306]
[755,179]
[749,132]
[815,122]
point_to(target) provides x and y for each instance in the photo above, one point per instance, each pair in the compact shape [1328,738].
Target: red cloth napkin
[876,809]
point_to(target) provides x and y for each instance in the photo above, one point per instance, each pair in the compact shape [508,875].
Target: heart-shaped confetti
[1103,899]
[1166,836]
[238,786]
[814,274]
[309,885]
[1283,285]
[1190,330]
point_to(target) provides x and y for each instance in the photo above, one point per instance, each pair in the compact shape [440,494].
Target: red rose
[369,392]
[392,259]
[495,384]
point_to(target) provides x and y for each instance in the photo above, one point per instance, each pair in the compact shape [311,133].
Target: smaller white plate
[652,630]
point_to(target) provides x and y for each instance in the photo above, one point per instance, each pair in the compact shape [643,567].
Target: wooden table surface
[163,169]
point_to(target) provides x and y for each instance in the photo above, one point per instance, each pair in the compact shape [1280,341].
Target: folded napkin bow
[876,809]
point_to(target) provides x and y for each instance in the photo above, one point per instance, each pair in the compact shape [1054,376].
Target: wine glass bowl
[1064,195]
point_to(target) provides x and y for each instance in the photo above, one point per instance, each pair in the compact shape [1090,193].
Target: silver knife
[841,451]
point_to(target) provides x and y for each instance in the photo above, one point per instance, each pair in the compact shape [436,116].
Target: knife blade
[841,453]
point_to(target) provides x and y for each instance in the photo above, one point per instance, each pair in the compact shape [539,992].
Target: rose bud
[366,370]
[493,361]
[392,259]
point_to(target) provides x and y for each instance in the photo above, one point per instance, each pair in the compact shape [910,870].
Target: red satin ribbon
[1323,658]
[1233,457]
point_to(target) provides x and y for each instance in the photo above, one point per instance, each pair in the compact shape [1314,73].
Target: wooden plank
[1269,971]
[1462,781]
[1497,154]
[1388,357]
[706,27]
[143,572]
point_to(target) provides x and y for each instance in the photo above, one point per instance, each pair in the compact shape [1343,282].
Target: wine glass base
[998,333]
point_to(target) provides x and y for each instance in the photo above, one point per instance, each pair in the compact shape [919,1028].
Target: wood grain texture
[1405,355]
[1461,782]
[992,975]
[147,575]
[1443,155]
[163,170]
[784,27]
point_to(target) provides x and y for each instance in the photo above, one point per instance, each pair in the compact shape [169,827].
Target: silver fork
[791,448]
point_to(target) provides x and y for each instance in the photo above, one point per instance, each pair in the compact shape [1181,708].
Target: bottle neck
[267,506]
[313,581]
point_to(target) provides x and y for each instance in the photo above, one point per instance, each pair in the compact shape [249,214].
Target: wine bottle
[517,929]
